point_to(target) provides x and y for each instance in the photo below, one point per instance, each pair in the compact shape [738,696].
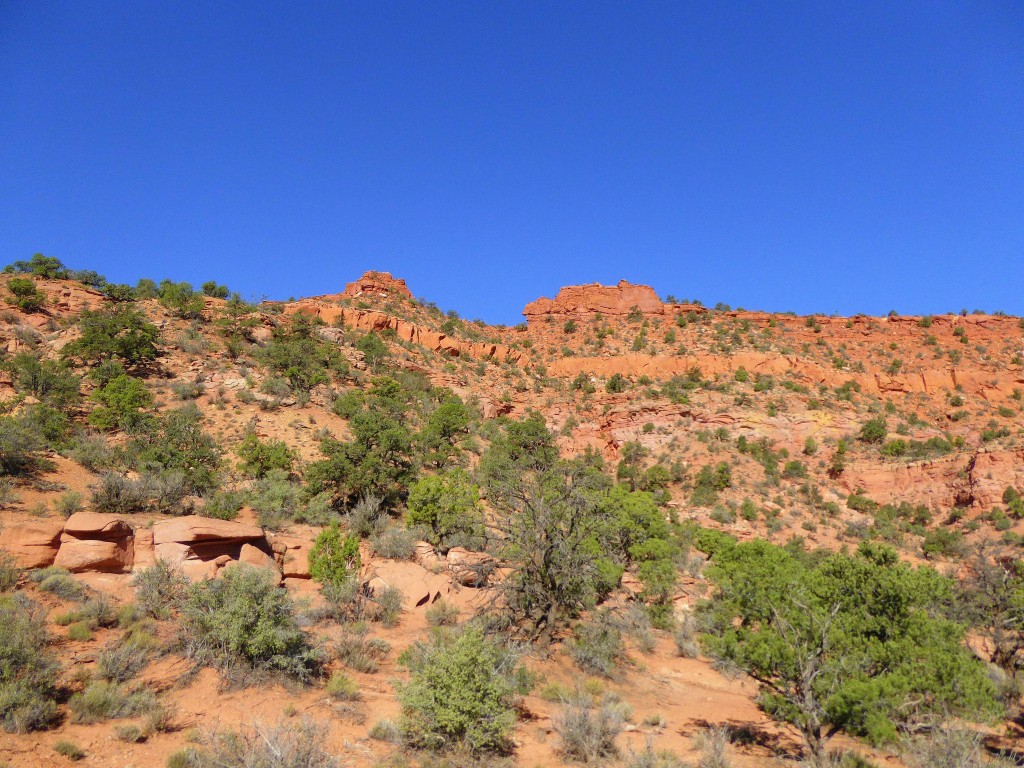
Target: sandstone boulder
[107,555]
[195,529]
[32,544]
[470,569]
[94,525]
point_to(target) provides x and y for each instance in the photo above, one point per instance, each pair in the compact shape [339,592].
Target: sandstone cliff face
[995,384]
[372,320]
[377,284]
[577,301]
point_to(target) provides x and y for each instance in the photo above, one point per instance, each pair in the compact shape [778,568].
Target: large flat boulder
[111,556]
[32,544]
[94,525]
[194,529]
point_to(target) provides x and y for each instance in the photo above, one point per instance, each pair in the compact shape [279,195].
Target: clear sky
[812,156]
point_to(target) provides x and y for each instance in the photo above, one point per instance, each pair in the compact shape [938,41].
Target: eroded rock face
[202,546]
[371,320]
[578,301]
[380,284]
[96,542]
[32,544]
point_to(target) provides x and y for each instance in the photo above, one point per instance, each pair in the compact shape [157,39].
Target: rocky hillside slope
[200,452]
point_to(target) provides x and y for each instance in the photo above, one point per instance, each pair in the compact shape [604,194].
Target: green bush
[333,558]
[101,701]
[69,749]
[9,572]
[59,581]
[28,672]
[460,693]
[49,381]
[874,431]
[259,458]
[842,642]
[176,441]
[448,506]
[616,383]
[180,299]
[45,267]
[296,353]
[19,442]
[242,618]
[160,589]
[343,687]
[121,333]
[25,295]
[122,401]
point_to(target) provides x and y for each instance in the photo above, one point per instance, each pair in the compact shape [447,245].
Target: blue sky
[814,156]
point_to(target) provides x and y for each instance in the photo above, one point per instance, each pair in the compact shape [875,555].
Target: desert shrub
[101,701]
[19,442]
[874,431]
[367,517]
[276,499]
[121,333]
[224,504]
[48,381]
[9,572]
[713,744]
[341,686]
[651,758]
[25,295]
[947,747]
[388,606]
[442,614]
[460,692]
[70,750]
[243,618]
[259,458]
[285,745]
[333,558]
[710,480]
[385,730]
[58,581]
[122,661]
[176,442]
[130,734]
[685,637]
[597,647]
[447,505]
[28,672]
[68,503]
[92,451]
[188,390]
[80,632]
[395,543]
[119,494]
[98,611]
[180,299]
[356,650]
[942,542]
[121,403]
[300,356]
[588,726]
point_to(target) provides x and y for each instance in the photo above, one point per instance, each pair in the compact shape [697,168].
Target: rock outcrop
[372,320]
[32,544]
[378,284]
[581,301]
[96,542]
